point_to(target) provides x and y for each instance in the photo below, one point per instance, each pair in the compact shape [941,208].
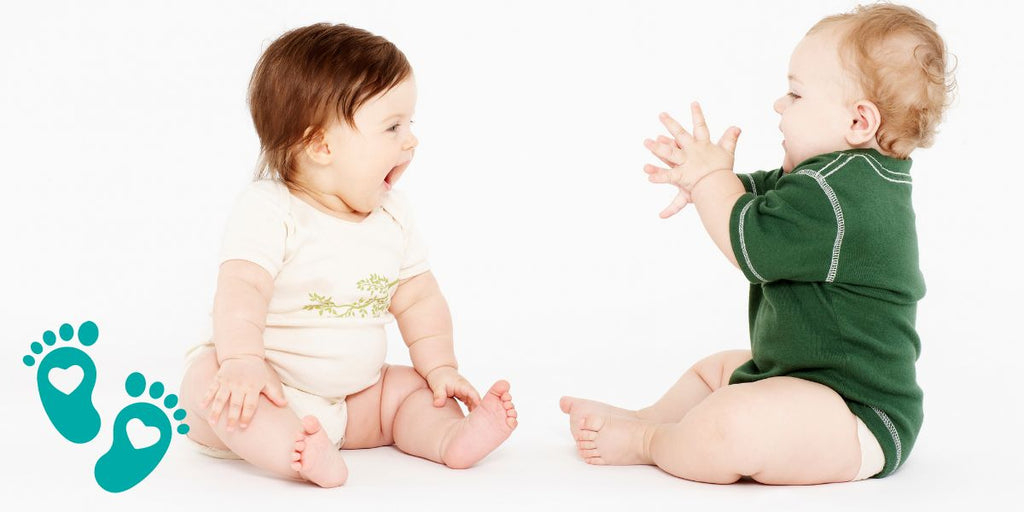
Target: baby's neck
[329,204]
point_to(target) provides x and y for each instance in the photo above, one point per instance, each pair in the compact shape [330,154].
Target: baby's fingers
[682,137]
[469,396]
[668,153]
[235,409]
[441,395]
[210,393]
[681,200]
[217,407]
[658,174]
[729,138]
[700,126]
[668,140]
[252,400]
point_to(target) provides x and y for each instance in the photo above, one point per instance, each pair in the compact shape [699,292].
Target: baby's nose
[779,105]
[411,143]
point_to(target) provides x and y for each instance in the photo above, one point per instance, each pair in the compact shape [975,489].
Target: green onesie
[831,251]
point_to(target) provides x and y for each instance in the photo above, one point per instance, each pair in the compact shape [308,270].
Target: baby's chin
[787,163]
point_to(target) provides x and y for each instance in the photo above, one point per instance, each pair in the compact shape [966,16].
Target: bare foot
[479,433]
[578,408]
[316,458]
[615,441]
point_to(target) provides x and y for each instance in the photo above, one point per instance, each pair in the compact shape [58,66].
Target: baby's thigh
[371,412]
[783,430]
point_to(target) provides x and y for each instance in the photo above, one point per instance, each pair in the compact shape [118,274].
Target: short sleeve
[759,182]
[788,233]
[257,228]
[414,254]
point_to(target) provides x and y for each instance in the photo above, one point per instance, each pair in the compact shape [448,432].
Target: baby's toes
[297,450]
[592,423]
[586,445]
[510,414]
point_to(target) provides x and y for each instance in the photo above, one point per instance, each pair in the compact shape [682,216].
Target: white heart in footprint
[141,435]
[66,380]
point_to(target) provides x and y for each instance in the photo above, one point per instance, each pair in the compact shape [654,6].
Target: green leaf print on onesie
[374,306]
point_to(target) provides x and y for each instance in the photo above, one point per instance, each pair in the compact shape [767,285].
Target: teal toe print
[135,454]
[66,377]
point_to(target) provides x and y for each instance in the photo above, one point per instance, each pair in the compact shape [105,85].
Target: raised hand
[689,157]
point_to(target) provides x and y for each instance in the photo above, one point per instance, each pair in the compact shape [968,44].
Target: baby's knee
[716,369]
[199,374]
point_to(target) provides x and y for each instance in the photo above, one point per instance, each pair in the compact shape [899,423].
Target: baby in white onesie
[319,253]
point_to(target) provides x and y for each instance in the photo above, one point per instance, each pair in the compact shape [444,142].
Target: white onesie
[333,283]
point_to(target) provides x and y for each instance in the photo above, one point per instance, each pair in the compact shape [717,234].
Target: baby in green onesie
[827,392]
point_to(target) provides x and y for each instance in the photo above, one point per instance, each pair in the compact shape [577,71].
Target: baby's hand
[446,382]
[239,382]
[668,150]
[691,157]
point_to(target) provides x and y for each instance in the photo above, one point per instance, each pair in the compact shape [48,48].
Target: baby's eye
[396,126]
[792,95]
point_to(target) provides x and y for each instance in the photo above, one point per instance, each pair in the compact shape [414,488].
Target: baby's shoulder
[857,170]
[269,193]
[397,205]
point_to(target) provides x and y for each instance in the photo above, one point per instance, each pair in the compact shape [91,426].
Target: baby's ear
[865,123]
[316,149]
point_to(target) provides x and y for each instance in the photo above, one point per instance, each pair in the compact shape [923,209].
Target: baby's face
[369,159]
[817,111]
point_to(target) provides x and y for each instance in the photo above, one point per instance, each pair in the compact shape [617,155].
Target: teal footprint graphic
[68,402]
[125,464]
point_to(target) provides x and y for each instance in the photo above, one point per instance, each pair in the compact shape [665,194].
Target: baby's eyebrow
[794,78]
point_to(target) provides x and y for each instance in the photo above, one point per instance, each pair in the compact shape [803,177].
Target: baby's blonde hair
[900,61]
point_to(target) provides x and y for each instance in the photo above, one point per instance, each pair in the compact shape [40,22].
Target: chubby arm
[239,316]
[426,325]
[240,309]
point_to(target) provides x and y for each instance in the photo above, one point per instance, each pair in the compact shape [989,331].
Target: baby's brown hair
[310,77]
[901,62]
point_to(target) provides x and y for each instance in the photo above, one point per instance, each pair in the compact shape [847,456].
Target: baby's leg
[781,430]
[695,385]
[399,409]
[269,442]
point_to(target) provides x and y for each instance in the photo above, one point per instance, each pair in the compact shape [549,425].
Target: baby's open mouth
[394,174]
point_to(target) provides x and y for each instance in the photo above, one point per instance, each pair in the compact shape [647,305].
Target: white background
[125,138]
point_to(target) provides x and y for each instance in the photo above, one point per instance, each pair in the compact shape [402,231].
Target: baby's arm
[714,196]
[240,309]
[426,325]
[239,316]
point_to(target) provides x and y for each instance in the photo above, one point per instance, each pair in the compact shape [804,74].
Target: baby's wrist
[229,357]
[453,368]
[700,180]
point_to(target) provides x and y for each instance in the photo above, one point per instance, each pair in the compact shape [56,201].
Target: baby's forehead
[818,60]
[398,100]
[816,55]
